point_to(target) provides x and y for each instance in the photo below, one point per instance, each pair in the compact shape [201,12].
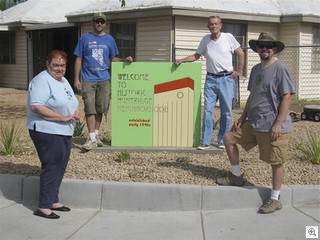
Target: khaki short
[96,96]
[271,152]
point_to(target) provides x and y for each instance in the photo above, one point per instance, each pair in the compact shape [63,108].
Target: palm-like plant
[10,136]
[311,149]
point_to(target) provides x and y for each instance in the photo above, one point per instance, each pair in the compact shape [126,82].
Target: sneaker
[203,147]
[99,142]
[270,206]
[90,144]
[231,180]
[221,146]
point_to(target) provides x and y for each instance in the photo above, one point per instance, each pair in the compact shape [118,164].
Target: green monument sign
[156,104]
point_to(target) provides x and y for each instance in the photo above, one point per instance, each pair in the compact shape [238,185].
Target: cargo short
[271,152]
[96,96]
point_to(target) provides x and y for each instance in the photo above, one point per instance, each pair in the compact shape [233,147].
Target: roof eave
[4,28]
[171,11]
[50,26]
[33,25]
[230,15]
[17,24]
[300,18]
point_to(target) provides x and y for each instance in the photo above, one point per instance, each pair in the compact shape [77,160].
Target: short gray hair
[217,17]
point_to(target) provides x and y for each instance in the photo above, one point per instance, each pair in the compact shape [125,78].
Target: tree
[123,3]
[5,4]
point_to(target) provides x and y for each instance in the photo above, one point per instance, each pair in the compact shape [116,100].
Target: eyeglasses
[62,66]
[100,21]
[265,45]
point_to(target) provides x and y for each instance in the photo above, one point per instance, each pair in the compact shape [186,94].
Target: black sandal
[61,209]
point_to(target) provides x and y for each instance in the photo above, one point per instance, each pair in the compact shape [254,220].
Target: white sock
[96,132]
[275,194]
[235,169]
[92,136]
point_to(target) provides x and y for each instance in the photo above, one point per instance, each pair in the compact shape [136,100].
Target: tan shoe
[221,146]
[203,147]
[231,180]
[90,144]
[270,206]
[99,142]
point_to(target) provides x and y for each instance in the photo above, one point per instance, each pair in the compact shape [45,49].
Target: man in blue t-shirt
[95,51]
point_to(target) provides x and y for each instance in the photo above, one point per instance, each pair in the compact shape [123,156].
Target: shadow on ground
[19,169]
[199,170]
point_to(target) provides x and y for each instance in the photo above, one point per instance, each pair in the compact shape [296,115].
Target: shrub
[311,149]
[78,129]
[122,157]
[184,159]
[10,136]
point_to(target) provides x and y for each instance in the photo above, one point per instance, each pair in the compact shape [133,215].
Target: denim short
[96,96]
[271,152]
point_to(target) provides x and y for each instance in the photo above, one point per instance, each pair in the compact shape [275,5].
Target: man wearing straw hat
[265,121]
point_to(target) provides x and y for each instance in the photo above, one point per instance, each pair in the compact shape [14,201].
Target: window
[315,62]
[239,32]
[7,48]
[125,37]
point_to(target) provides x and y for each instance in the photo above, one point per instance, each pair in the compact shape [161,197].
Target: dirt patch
[163,167]
[12,104]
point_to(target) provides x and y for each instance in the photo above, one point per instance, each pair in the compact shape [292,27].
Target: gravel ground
[162,167]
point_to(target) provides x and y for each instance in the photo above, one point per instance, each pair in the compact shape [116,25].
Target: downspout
[29,57]
[173,39]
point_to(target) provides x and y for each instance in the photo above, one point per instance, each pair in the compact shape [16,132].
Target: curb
[106,148]
[123,196]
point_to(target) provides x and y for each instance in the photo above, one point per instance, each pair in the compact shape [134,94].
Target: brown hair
[56,54]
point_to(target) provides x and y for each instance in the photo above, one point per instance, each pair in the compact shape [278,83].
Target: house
[28,31]
[161,31]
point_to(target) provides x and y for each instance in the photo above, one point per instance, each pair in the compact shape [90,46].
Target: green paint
[133,99]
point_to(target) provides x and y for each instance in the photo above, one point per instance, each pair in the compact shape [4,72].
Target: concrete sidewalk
[132,211]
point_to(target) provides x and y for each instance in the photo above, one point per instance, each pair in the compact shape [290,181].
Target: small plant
[311,149]
[184,159]
[10,136]
[122,157]
[123,3]
[78,129]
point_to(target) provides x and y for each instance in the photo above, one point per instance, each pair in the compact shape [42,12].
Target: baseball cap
[97,16]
